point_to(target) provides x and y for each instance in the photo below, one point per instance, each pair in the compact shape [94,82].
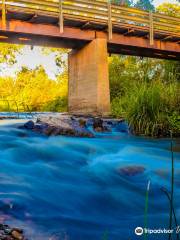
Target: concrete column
[89,91]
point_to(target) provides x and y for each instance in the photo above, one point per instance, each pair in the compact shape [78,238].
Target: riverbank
[54,124]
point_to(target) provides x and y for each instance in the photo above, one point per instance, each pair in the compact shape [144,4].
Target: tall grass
[151,109]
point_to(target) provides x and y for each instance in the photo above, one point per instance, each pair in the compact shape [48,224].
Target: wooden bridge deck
[128,30]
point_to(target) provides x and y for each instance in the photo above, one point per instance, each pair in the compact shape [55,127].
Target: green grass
[151,109]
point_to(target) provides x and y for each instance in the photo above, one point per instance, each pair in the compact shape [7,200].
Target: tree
[169,9]
[145,5]
[174,11]
[122,2]
[34,89]
[8,52]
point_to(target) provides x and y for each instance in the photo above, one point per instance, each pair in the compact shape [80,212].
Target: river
[64,188]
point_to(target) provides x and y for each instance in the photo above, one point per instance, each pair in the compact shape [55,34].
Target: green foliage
[145,5]
[146,93]
[146,113]
[122,2]
[57,105]
[174,121]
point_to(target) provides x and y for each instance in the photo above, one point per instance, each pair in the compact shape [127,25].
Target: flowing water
[63,188]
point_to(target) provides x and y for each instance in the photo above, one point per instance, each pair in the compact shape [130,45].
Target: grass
[152,109]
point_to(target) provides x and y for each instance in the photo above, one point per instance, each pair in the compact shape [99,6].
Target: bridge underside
[88,62]
[23,32]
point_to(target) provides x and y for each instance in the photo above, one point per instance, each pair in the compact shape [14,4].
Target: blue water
[62,188]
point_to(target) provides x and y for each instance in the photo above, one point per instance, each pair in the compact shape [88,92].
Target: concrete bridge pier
[89,91]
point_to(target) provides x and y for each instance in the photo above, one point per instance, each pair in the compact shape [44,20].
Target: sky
[158,2]
[31,58]
[34,57]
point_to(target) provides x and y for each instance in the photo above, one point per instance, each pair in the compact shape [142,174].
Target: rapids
[63,188]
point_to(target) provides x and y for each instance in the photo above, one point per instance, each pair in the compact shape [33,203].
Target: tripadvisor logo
[139,231]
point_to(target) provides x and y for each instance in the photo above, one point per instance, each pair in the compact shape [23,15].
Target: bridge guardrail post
[151,28]
[4,14]
[109,20]
[61,17]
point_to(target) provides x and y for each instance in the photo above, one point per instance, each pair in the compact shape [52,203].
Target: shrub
[57,105]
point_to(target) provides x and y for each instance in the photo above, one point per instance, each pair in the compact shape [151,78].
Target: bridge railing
[101,12]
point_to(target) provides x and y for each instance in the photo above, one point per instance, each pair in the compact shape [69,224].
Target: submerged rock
[131,170]
[176,148]
[29,125]
[7,233]
[163,173]
[17,234]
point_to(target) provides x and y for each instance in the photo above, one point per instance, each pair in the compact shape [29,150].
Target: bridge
[92,29]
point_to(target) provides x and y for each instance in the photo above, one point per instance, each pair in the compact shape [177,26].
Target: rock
[70,125]
[17,235]
[98,125]
[29,125]
[49,130]
[163,173]
[7,230]
[39,128]
[1,226]
[82,122]
[7,233]
[62,125]
[38,120]
[18,230]
[131,170]
[176,148]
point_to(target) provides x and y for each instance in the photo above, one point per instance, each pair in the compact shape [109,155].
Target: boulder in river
[8,233]
[163,173]
[29,125]
[98,125]
[61,125]
[131,170]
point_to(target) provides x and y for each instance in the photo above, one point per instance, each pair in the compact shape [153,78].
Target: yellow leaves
[170,9]
[33,88]
[8,52]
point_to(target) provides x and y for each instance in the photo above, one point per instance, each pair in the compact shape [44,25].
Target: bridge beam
[89,91]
